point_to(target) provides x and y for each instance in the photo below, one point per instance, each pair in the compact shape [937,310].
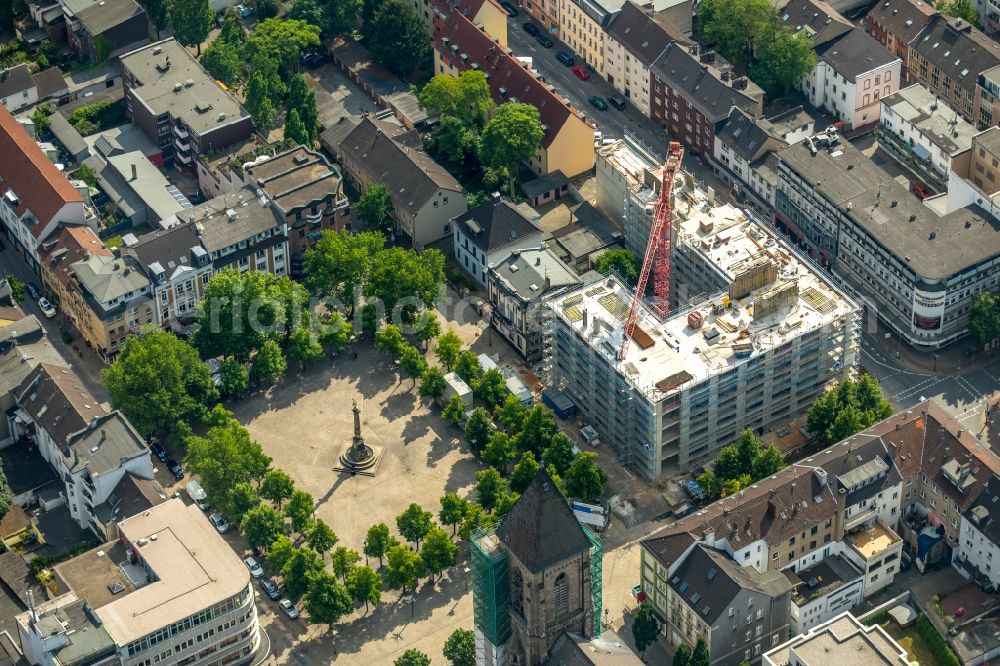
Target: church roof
[541,529]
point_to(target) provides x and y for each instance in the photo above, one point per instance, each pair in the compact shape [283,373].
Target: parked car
[220,523]
[159,452]
[565,58]
[510,8]
[581,72]
[921,191]
[270,588]
[244,10]
[175,469]
[618,102]
[289,608]
[255,569]
[33,291]
[531,28]
[544,40]
[46,308]
[312,59]
[598,102]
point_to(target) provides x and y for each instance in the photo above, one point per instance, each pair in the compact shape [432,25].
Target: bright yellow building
[487,14]
[581,27]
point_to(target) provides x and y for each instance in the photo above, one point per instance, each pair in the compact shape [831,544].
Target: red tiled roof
[503,70]
[67,246]
[25,169]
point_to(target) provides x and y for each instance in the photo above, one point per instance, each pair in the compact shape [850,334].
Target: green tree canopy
[454,410]
[427,326]
[465,97]
[453,141]
[192,21]
[390,340]
[847,409]
[415,523]
[258,102]
[559,454]
[327,600]
[623,262]
[279,552]
[700,656]
[585,479]
[413,362]
[453,509]
[300,568]
[235,377]
[524,472]
[432,383]
[283,39]
[467,367]
[537,430]
[374,207]
[682,657]
[490,488]
[157,381]
[158,12]
[499,452]
[223,61]
[460,648]
[438,550]
[377,541]
[397,274]
[364,585]
[403,568]
[984,320]
[261,526]
[963,9]
[397,37]
[224,457]
[478,429]
[342,561]
[268,364]
[783,60]
[321,536]
[295,130]
[338,265]
[276,486]
[242,498]
[510,414]
[6,496]
[304,346]
[512,136]
[645,628]
[412,658]
[491,388]
[447,349]
[299,510]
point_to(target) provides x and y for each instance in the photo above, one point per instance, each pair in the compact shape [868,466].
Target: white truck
[197,494]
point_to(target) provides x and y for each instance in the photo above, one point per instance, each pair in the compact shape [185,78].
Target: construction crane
[658,250]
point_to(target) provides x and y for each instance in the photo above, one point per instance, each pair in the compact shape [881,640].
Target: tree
[467,367]
[235,377]
[157,381]
[585,479]
[374,207]
[709,483]
[268,364]
[465,97]
[302,99]
[295,131]
[453,509]
[559,454]
[491,388]
[490,487]
[304,346]
[768,461]
[478,429]
[447,349]
[984,320]
[783,59]
[17,288]
[241,499]
[397,37]
[40,117]
[390,340]
[700,656]
[225,457]
[460,648]
[377,542]
[283,39]
[524,472]
[231,30]
[335,332]
[537,430]
[414,523]
[438,551]
[327,600]
[847,409]
[364,584]
[748,446]
[299,510]
[258,102]
[453,140]
[6,496]
[369,319]
[682,657]
[321,536]
[645,628]
[506,503]
[727,464]
[510,414]
[339,263]
[158,12]
[261,526]
[476,518]
[413,363]
[963,9]
[433,384]
[403,568]
[301,566]
[512,136]
[412,658]
[427,327]
[454,410]
[343,560]
[737,27]
[623,262]
[223,61]
[276,486]
[735,484]
[192,21]
[279,552]
[398,274]
[499,452]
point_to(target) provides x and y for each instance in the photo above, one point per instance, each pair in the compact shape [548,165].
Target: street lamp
[936,355]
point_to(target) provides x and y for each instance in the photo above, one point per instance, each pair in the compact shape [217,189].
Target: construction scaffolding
[596,577]
[490,587]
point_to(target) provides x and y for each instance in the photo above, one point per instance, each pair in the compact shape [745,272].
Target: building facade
[895,24]
[485,235]
[582,26]
[744,155]
[838,640]
[978,552]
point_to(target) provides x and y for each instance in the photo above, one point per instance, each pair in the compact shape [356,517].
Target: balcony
[182,144]
[181,131]
[903,152]
[860,518]
[871,544]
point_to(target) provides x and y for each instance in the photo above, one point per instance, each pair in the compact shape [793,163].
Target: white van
[197,493]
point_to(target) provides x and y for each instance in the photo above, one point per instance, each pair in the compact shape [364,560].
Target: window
[561,595]
[517,592]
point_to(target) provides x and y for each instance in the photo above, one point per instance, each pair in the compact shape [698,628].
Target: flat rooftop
[96,575]
[87,641]
[820,579]
[874,541]
[942,127]
[192,568]
[640,169]
[843,638]
[296,179]
[935,246]
[667,355]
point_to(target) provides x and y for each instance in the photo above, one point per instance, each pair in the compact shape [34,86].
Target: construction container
[695,319]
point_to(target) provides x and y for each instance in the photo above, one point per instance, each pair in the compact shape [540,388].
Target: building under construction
[759,335]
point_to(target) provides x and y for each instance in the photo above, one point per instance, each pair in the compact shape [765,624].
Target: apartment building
[308,191]
[36,197]
[895,24]
[691,98]
[978,554]
[823,591]
[486,13]
[68,245]
[582,26]
[567,142]
[489,232]
[839,640]
[425,197]
[89,449]
[744,155]
[853,70]
[629,177]
[917,269]
[728,358]
[97,28]
[632,41]
[947,57]
[169,589]
[972,176]
[518,287]
[17,88]
[178,105]
[921,135]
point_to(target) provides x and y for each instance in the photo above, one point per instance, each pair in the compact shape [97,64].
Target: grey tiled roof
[901,18]
[854,53]
[748,138]
[228,219]
[494,224]
[984,513]
[57,401]
[109,278]
[15,80]
[169,248]
[698,84]
[102,16]
[642,35]
[956,48]
[104,443]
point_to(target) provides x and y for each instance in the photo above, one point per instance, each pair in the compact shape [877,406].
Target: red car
[580,72]
[921,191]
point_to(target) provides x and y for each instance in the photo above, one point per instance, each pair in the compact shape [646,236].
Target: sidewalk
[952,359]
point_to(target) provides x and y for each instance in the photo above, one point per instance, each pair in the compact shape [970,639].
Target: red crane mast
[657,257]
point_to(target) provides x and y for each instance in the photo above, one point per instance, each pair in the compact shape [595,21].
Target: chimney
[135,174]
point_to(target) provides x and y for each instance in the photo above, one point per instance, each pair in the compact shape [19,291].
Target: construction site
[751,333]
